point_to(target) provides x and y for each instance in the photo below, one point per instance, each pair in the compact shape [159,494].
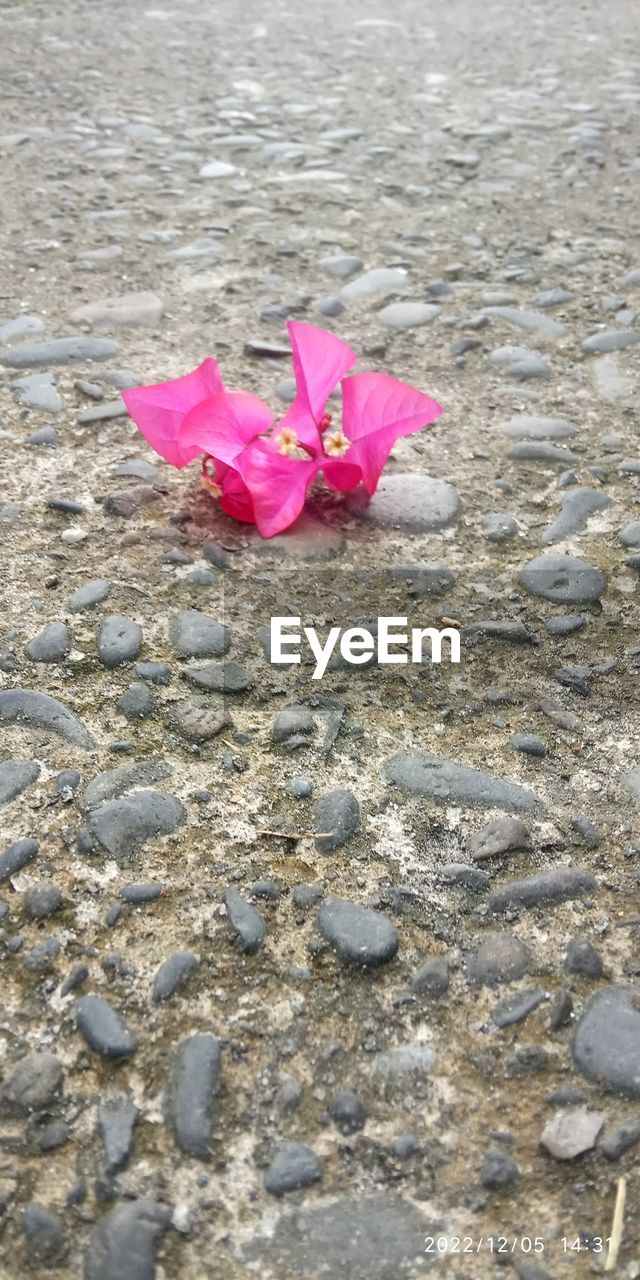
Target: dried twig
[298,835]
[617,1225]
[626,924]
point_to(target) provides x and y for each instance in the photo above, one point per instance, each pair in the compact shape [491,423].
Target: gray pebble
[43,1237]
[126,1237]
[528,743]
[33,1084]
[347,1111]
[582,958]
[196,635]
[16,856]
[432,978]
[192,1084]
[337,813]
[563,579]
[103,1029]
[451,783]
[292,722]
[123,825]
[39,711]
[119,640]
[136,703]
[577,508]
[42,901]
[293,1166]
[498,837]
[117,1116]
[358,935]
[500,957]
[558,884]
[88,595]
[15,777]
[245,921]
[173,974]
[498,527]
[61,351]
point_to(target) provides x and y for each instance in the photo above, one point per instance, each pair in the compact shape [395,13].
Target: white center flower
[336,444]
[287,442]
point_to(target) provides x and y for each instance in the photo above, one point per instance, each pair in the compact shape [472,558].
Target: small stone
[405,1063]
[25,707]
[123,826]
[498,1171]
[136,703]
[337,815]
[577,508]
[42,957]
[514,1009]
[520,363]
[173,974]
[606,1043]
[292,722]
[293,1166]
[301,788]
[199,719]
[220,677]
[617,1141]
[43,1237]
[630,535]
[450,783]
[432,978]
[528,428]
[498,527]
[586,830]
[89,595]
[500,957]
[35,1082]
[378,282]
[498,837]
[357,934]
[347,1111]
[117,1116]
[407,315]
[127,311]
[341,265]
[116,782]
[42,901]
[583,958]
[565,625]
[103,1029]
[119,641]
[569,1134]
[140,893]
[558,884]
[52,644]
[246,922]
[127,1237]
[61,351]
[563,579]
[192,1084]
[15,777]
[610,340]
[410,503]
[527,743]
[195,635]
[17,856]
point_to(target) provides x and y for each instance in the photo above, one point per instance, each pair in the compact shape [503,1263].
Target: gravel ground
[300,977]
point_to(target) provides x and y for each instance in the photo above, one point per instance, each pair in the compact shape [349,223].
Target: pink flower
[260,475]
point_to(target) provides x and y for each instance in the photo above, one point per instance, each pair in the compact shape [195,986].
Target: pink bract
[261,473]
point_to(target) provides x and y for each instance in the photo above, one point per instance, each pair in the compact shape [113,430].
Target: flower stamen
[325,422]
[208,480]
[336,444]
[287,442]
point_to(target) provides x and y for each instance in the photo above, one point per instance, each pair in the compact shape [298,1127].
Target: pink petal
[159,410]
[320,360]
[236,499]
[278,485]
[376,410]
[341,475]
[224,424]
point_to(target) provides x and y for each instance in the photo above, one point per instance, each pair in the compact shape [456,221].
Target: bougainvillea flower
[261,473]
